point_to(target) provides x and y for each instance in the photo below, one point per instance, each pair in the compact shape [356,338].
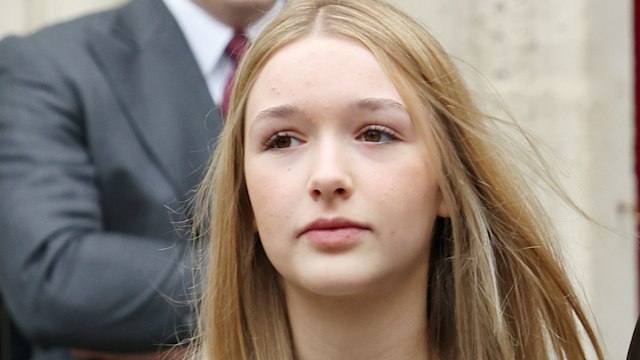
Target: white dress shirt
[208,37]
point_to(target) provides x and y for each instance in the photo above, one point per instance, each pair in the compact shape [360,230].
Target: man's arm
[65,280]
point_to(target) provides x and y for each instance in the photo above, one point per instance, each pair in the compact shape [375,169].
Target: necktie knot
[234,51]
[236,47]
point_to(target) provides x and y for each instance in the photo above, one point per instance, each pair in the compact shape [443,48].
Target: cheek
[409,200]
[271,199]
[411,187]
[273,209]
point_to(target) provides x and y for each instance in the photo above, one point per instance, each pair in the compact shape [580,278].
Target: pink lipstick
[333,233]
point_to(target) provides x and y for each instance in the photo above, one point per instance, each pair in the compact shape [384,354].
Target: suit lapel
[155,78]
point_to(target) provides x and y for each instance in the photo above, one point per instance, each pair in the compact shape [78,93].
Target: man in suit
[106,124]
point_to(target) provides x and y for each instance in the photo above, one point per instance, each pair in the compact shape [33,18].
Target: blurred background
[566,71]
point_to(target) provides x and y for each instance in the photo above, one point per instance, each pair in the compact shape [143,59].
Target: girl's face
[343,190]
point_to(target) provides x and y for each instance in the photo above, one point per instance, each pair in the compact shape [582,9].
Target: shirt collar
[206,35]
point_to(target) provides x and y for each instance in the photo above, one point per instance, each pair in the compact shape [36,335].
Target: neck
[380,325]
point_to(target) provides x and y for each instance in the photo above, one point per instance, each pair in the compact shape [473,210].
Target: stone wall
[564,68]
[21,16]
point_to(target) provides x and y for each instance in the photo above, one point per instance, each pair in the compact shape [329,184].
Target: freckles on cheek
[271,203]
[408,195]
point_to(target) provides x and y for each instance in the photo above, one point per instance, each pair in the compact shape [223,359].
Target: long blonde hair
[496,287]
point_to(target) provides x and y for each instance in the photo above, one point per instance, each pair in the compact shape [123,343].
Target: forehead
[318,49]
[320,69]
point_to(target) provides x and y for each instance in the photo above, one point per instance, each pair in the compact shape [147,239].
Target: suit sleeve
[65,280]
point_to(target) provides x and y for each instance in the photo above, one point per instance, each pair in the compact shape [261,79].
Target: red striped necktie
[234,51]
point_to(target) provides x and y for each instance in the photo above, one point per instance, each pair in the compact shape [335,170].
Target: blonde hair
[496,287]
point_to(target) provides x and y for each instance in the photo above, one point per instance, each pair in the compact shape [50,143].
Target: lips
[333,233]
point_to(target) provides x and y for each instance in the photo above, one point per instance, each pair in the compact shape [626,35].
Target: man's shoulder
[63,40]
[89,27]
[78,27]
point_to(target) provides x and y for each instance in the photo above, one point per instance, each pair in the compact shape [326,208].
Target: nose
[330,175]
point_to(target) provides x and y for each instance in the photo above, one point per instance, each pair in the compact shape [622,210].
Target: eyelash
[270,143]
[382,129]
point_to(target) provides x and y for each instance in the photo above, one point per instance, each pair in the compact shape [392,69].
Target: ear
[443,208]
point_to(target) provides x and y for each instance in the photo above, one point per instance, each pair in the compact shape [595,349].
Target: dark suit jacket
[105,127]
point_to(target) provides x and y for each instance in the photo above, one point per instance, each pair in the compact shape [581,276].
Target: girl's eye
[281,140]
[377,134]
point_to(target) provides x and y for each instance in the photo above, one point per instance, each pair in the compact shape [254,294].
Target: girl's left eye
[377,134]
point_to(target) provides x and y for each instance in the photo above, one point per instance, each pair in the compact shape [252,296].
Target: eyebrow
[374,104]
[282,111]
[289,111]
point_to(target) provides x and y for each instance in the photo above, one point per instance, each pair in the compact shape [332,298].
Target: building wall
[22,16]
[565,71]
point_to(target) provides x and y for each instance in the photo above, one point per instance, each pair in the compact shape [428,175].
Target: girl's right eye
[281,140]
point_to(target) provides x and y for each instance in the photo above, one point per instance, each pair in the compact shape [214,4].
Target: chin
[337,284]
[336,290]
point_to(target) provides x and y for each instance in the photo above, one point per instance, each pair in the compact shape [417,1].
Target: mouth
[333,233]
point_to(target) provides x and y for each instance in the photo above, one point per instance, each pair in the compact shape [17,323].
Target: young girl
[358,207]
